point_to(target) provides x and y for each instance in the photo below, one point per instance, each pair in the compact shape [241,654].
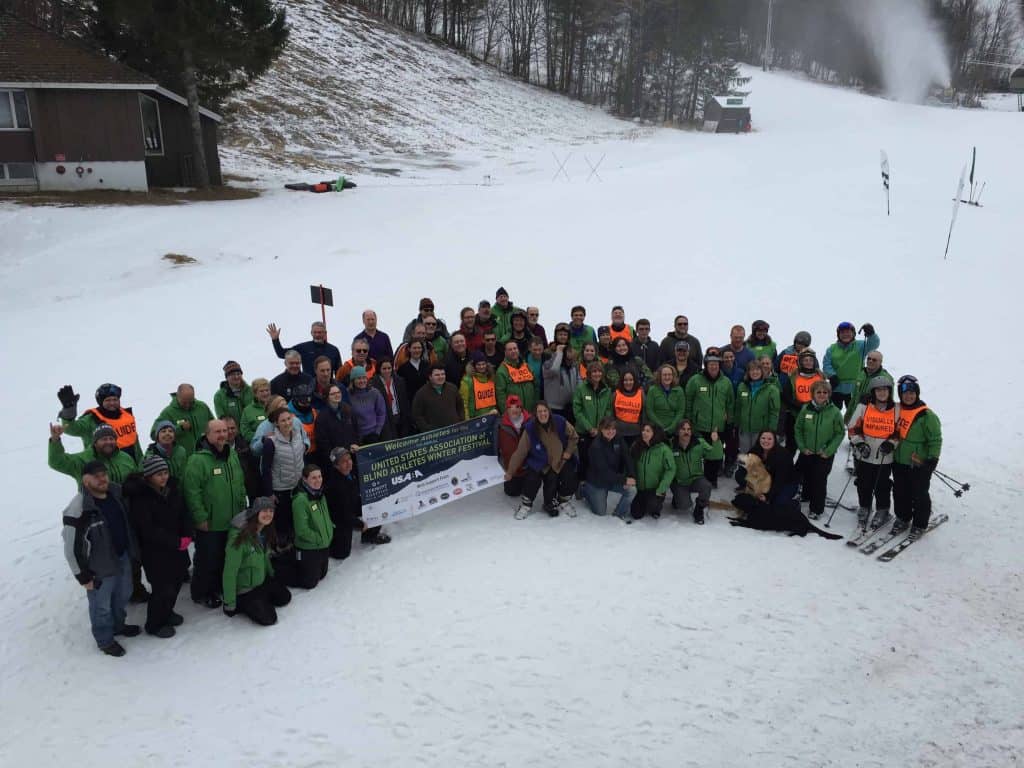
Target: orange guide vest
[348,365]
[626,333]
[123,426]
[907,416]
[788,363]
[521,374]
[309,431]
[802,386]
[484,394]
[628,407]
[877,423]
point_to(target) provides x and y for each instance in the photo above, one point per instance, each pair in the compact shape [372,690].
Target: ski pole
[964,486]
[836,505]
[956,491]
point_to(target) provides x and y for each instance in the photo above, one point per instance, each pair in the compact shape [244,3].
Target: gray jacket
[88,545]
[857,436]
[560,382]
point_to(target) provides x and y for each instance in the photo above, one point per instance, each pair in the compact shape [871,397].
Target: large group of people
[254,497]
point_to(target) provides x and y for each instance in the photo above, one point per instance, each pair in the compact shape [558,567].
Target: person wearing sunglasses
[845,358]
[426,308]
[360,359]
[681,332]
[914,459]
[536,329]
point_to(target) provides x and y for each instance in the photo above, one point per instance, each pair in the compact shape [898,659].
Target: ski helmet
[802,337]
[909,383]
[845,326]
[107,390]
[879,381]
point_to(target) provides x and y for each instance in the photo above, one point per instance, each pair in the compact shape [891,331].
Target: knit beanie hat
[162,424]
[153,464]
[477,357]
[500,292]
[337,453]
[231,367]
[103,430]
[357,372]
[247,514]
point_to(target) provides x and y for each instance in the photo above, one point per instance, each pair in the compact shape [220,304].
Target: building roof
[731,102]
[32,57]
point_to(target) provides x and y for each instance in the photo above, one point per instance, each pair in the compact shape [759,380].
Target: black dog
[785,516]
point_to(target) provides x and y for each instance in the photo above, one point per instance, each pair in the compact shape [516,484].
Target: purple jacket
[369,411]
[380,345]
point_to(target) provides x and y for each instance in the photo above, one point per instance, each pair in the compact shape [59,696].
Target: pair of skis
[869,541]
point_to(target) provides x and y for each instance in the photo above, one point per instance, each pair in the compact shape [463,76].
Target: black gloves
[69,402]
[867,329]
[834,381]
[863,451]
[886,448]
[931,464]
[229,612]
[67,396]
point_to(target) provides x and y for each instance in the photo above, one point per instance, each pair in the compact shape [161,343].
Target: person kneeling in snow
[248,585]
[548,446]
[313,529]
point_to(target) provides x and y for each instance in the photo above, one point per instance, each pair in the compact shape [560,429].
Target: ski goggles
[908,383]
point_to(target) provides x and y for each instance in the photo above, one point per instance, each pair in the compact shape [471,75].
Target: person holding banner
[437,404]
[477,390]
[508,431]
[548,449]
[346,506]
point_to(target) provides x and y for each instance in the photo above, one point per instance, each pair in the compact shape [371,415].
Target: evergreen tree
[205,48]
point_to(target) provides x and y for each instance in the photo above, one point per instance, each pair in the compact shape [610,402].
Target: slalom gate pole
[836,505]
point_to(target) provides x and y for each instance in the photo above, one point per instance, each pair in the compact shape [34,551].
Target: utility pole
[766,63]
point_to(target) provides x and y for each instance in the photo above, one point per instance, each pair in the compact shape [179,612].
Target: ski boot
[698,513]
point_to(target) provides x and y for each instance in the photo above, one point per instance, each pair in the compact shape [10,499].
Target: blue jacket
[537,458]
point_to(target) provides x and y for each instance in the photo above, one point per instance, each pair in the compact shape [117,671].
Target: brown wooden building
[72,118]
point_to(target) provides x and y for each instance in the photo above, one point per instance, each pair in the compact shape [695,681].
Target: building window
[14,111]
[17,171]
[152,136]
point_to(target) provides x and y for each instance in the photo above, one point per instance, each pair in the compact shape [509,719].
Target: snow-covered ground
[356,94]
[474,639]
